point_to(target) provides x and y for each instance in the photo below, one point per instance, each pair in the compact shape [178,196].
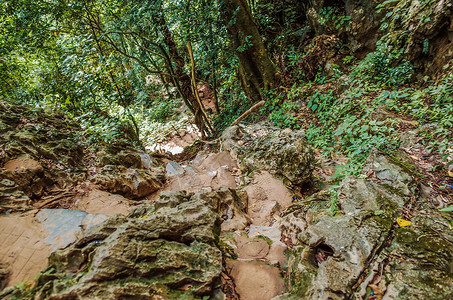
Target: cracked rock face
[338,256]
[164,251]
[131,183]
[280,152]
[42,154]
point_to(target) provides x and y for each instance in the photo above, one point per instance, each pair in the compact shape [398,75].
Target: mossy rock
[164,251]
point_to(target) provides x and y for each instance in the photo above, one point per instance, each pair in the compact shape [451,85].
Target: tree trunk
[185,81]
[256,70]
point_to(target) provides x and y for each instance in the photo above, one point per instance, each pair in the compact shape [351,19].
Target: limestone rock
[124,154]
[173,169]
[230,205]
[337,249]
[42,156]
[362,31]
[392,172]
[255,280]
[281,152]
[262,243]
[207,172]
[332,253]
[426,271]
[100,202]
[131,183]
[164,251]
[12,198]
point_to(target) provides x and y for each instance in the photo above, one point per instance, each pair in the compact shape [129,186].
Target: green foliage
[383,67]
[281,111]
[98,128]
[231,110]
[332,15]
[349,59]
[161,110]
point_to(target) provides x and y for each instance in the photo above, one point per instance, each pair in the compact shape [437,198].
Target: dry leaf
[403,223]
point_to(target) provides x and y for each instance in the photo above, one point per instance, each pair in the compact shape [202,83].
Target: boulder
[344,255]
[173,169]
[131,183]
[281,152]
[421,258]
[164,251]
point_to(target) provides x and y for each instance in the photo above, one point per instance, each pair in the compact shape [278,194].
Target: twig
[248,112]
[56,198]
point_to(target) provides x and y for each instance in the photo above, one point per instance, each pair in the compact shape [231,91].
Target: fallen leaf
[403,223]
[450,173]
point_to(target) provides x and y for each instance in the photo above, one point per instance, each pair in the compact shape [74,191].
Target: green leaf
[448,208]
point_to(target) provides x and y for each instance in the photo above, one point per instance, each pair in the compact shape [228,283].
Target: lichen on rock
[164,251]
[281,152]
[333,256]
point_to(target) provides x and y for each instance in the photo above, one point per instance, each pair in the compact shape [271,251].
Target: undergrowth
[365,109]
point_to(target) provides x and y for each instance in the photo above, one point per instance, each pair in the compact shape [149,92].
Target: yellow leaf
[403,223]
[450,173]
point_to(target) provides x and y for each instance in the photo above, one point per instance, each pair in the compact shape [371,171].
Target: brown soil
[23,163]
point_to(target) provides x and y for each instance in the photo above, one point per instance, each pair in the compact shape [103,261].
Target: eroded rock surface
[43,158]
[280,152]
[131,183]
[164,251]
[334,255]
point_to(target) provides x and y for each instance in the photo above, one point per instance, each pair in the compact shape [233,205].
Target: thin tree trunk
[185,80]
[256,70]
[195,87]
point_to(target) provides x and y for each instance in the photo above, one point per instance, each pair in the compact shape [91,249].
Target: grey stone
[274,234]
[164,251]
[281,152]
[64,226]
[174,169]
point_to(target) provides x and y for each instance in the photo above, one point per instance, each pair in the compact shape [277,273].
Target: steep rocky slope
[254,238]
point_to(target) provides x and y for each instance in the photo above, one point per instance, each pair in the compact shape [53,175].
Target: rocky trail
[247,221]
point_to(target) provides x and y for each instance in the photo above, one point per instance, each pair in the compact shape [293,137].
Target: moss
[402,160]
[265,238]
